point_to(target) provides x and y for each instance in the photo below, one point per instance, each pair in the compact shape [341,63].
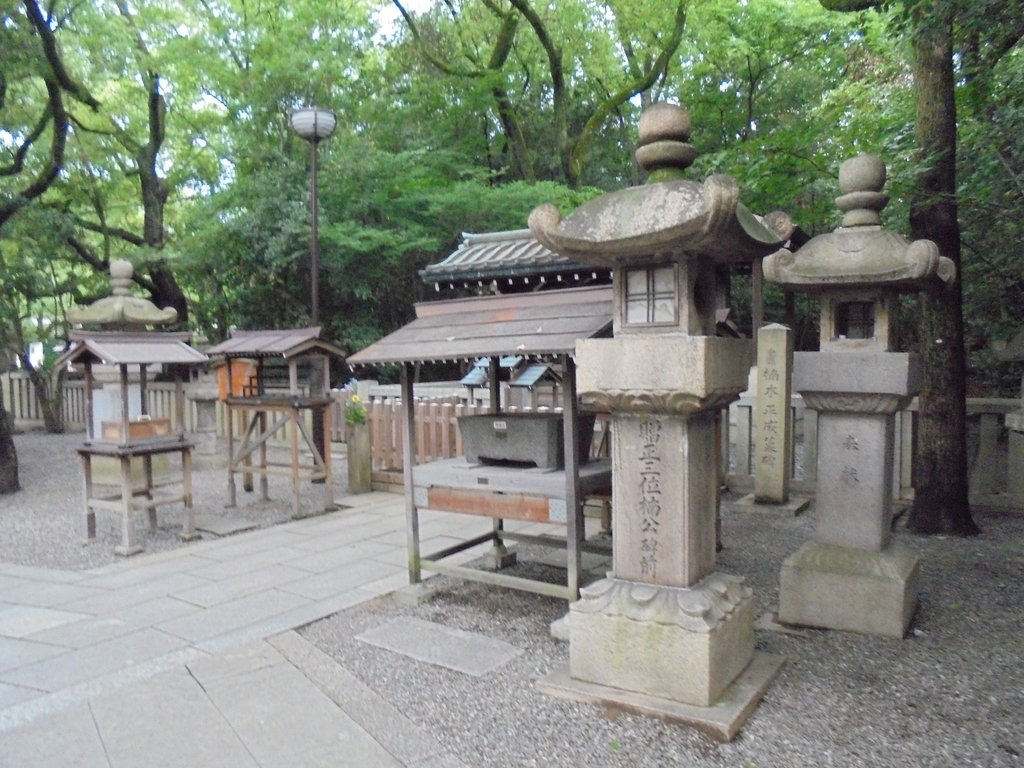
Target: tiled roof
[495,255]
[274,343]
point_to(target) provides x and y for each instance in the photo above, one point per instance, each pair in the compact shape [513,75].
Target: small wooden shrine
[493,480]
[120,431]
[288,383]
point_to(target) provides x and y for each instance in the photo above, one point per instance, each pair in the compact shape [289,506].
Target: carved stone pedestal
[686,645]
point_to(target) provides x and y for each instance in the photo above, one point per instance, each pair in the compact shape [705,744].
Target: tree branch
[47,175]
[53,57]
[437,62]
[102,229]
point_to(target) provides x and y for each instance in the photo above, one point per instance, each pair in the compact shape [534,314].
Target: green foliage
[781,91]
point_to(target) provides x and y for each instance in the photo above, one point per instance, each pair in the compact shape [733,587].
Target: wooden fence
[438,434]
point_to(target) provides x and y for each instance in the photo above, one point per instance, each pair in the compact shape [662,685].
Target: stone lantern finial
[121,272]
[664,150]
[121,310]
[861,179]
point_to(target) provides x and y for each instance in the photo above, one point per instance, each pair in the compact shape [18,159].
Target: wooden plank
[498,579]
[595,476]
[514,506]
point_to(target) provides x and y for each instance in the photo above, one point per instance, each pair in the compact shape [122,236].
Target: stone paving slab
[23,620]
[285,720]
[223,525]
[111,600]
[232,615]
[16,653]
[46,594]
[355,574]
[68,739]
[296,617]
[142,568]
[232,588]
[217,570]
[78,666]
[168,721]
[15,694]
[467,652]
[369,710]
[343,555]
[20,715]
[96,629]
[35,573]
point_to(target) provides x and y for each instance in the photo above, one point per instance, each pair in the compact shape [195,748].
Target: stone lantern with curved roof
[665,632]
[125,445]
[851,575]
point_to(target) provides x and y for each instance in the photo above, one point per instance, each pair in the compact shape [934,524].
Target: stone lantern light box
[852,576]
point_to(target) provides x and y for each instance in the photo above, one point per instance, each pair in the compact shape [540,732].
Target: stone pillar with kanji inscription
[852,576]
[773,418]
[665,632]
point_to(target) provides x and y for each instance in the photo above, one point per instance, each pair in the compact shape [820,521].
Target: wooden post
[326,419]
[575,524]
[124,404]
[90,433]
[412,519]
[296,496]
[229,424]
[500,556]
[144,391]
[264,480]
[90,514]
[494,385]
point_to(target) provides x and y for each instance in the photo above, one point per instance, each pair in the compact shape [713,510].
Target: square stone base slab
[223,525]
[794,506]
[721,721]
[850,589]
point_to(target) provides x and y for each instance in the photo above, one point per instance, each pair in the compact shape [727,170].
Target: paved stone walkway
[189,658]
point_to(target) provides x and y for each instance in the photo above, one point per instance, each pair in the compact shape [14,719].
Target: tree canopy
[159,132]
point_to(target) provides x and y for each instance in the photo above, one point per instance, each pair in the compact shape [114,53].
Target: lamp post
[314,124]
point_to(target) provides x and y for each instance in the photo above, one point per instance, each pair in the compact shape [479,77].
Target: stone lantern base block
[721,722]
[856,590]
[683,645]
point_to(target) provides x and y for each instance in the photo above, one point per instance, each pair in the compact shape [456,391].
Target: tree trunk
[940,502]
[8,455]
[48,398]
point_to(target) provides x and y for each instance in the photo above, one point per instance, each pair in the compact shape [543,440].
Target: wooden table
[505,492]
[265,415]
[127,502]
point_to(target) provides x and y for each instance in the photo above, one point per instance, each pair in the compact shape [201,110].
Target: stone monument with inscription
[665,633]
[852,576]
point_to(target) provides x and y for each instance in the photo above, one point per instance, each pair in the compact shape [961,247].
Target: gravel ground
[951,694]
[43,523]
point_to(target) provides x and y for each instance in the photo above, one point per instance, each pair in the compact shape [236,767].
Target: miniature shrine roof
[275,343]
[541,323]
[500,255]
[141,348]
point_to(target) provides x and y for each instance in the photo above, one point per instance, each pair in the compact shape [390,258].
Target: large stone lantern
[851,576]
[664,633]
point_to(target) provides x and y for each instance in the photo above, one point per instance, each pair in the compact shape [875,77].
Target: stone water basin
[527,438]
